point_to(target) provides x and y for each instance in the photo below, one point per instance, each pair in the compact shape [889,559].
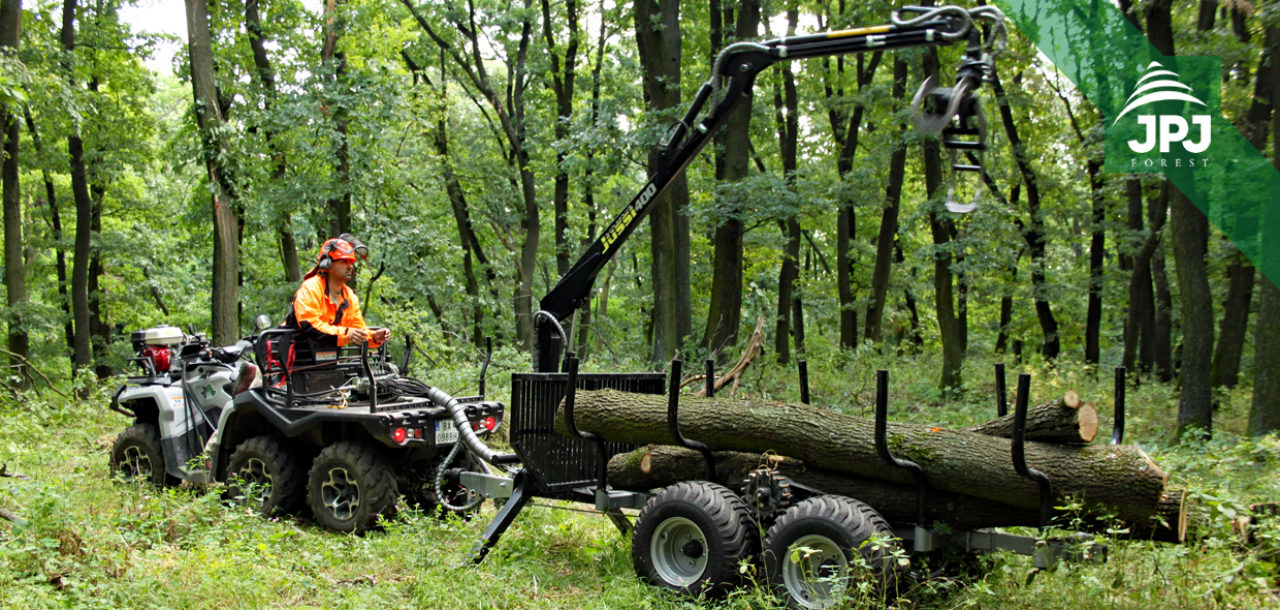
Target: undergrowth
[72,537]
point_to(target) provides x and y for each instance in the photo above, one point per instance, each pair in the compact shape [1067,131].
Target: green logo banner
[1163,115]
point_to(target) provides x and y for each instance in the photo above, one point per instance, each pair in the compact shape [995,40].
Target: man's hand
[357,336]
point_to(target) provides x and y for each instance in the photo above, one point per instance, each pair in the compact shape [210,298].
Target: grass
[83,540]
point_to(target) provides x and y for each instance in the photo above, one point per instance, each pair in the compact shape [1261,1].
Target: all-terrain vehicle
[342,431]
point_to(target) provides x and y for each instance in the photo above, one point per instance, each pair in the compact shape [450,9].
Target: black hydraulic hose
[459,415]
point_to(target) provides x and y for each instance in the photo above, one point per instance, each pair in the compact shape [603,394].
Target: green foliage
[83,540]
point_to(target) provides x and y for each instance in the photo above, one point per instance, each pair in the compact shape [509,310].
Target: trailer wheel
[824,549]
[264,474]
[349,486]
[136,456]
[690,537]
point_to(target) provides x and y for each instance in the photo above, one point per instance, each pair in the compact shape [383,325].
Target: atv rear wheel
[690,537]
[263,474]
[136,456]
[349,485]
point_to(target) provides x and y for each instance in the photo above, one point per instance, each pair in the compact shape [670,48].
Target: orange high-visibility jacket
[312,308]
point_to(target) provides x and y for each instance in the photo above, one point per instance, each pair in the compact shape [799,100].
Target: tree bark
[82,356]
[209,119]
[1119,478]
[335,63]
[725,312]
[942,230]
[266,79]
[1240,274]
[659,44]
[889,215]
[1061,420]
[1141,308]
[655,466]
[787,119]
[55,224]
[1035,233]
[562,80]
[510,114]
[14,268]
[1264,411]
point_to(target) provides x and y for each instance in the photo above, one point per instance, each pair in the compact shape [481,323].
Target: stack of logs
[971,477]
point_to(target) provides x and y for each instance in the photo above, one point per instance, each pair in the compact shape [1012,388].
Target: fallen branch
[27,366]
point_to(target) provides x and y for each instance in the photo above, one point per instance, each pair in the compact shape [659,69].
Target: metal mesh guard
[561,464]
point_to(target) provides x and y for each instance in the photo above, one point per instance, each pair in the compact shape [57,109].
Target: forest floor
[75,538]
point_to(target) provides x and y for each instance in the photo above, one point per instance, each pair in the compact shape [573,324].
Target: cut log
[657,466]
[1062,420]
[1169,521]
[1112,478]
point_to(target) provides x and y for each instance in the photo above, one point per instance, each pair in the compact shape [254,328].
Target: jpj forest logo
[1166,123]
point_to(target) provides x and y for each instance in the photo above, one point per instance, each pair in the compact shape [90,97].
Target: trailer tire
[264,474]
[690,538]
[823,549]
[349,486]
[136,456]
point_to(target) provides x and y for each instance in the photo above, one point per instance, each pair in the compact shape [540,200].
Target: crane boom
[732,78]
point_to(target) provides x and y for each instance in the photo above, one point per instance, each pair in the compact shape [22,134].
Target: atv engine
[156,345]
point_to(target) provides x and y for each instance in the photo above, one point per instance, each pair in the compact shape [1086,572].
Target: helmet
[345,247]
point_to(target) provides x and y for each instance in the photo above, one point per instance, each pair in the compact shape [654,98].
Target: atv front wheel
[263,474]
[349,486]
[136,456]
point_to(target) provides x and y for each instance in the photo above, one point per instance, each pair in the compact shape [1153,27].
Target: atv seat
[304,367]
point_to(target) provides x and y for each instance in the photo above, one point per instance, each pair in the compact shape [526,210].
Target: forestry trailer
[691,533]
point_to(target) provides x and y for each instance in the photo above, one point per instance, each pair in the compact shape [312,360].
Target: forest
[480,146]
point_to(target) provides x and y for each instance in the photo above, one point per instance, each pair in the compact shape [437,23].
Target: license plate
[446,432]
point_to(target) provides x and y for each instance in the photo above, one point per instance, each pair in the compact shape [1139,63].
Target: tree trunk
[226,254]
[1234,325]
[846,127]
[658,41]
[99,328]
[1097,253]
[1240,274]
[1035,235]
[55,222]
[725,312]
[1190,235]
[1264,411]
[335,62]
[889,215]
[1120,478]
[14,268]
[266,78]
[787,119]
[562,87]
[510,114]
[656,466]
[1141,300]
[83,356]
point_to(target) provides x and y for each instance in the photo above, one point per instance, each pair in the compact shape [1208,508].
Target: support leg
[522,492]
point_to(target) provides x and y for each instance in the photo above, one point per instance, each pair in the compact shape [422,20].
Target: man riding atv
[325,309]
[326,313]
